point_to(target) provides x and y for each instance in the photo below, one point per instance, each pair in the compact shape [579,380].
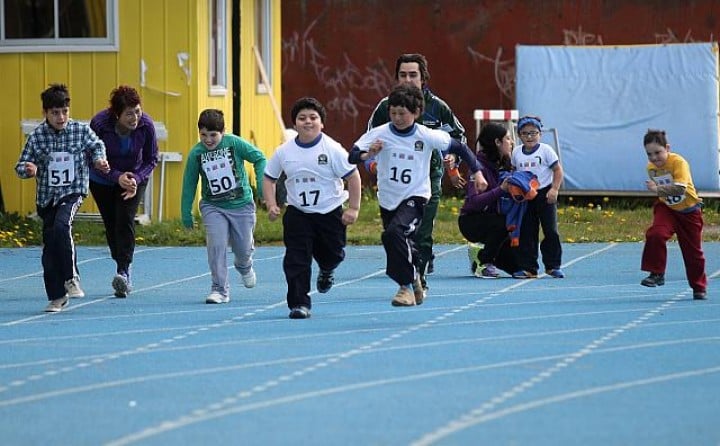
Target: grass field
[581,219]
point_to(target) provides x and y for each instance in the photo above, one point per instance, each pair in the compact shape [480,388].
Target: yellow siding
[155,32]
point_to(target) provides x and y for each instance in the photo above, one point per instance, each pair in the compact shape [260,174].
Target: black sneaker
[300,313]
[654,280]
[325,281]
[699,295]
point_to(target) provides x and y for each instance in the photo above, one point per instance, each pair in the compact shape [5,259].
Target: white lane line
[243,394]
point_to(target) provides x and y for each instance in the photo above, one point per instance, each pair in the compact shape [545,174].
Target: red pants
[688,228]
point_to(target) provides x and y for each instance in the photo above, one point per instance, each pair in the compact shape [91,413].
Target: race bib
[61,169]
[401,167]
[308,191]
[666,180]
[220,175]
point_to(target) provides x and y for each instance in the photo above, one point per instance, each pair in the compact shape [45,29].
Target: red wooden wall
[343,51]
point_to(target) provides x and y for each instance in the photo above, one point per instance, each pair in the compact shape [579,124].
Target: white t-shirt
[314,173]
[540,162]
[403,164]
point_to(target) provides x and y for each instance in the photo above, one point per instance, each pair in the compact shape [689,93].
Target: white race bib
[220,175]
[61,169]
[666,180]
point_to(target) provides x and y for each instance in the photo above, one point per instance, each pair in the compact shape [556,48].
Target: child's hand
[350,216]
[102,165]
[375,147]
[30,169]
[273,212]
[552,195]
[651,185]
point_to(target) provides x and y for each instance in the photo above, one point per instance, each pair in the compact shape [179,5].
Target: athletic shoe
[487,271]
[249,279]
[473,251]
[299,313]
[654,280]
[522,274]
[699,295]
[72,288]
[556,273]
[57,305]
[217,298]
[403,298]
[121,284]
[419,291]
[325,281]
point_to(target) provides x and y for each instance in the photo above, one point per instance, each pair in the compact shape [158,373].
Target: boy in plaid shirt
[58,154]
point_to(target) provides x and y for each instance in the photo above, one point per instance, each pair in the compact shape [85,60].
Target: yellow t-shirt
[675,171]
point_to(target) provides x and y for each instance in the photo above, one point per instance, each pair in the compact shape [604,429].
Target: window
[263,37]
[218,47]
[28,26]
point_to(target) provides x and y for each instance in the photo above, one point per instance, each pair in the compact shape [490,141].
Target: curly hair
[123,97]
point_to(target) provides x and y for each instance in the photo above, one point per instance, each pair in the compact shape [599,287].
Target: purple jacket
[143,156]
[484,202]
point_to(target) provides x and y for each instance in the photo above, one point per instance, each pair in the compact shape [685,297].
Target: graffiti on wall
[344,83]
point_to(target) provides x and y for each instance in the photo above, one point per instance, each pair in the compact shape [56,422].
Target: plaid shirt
[78,141]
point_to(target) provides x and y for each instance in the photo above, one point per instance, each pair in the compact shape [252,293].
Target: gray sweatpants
[233,226]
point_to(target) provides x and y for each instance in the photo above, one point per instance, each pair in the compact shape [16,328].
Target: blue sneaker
[555,273]
[487,271]
[522,274]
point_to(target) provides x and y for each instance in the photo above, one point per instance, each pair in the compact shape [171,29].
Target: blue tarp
[602,100]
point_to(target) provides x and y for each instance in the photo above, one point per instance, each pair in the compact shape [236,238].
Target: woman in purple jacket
[479,220]
[132,152]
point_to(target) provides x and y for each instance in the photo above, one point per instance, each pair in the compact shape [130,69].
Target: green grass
[581,219]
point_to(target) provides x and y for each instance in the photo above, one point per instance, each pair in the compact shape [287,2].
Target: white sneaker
[249,279]
[72,288]
[57,305]
[216,298]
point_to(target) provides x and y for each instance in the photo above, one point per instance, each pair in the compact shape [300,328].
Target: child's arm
[26,166]
[552,194]
[189,188]
[350,214]
[269,188]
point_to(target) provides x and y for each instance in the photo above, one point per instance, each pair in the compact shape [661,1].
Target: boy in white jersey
[678,211]
[314,223]
[540,159]
[403,151]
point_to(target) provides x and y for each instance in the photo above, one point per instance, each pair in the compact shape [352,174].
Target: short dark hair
[417,58]
[212,119]
[656,136]
[55,96]
[309,104]
[123,97]
[408,96]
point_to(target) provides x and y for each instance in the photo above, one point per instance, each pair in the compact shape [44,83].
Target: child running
[56,154]
[403,151]
[227,204]
[678,210]
[314,224]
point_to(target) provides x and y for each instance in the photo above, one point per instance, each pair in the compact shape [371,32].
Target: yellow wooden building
[182,55]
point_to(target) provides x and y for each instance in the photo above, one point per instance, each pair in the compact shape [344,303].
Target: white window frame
[263,21]
[217,53]
[64,44]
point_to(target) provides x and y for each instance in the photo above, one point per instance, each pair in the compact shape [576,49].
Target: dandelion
[606,199]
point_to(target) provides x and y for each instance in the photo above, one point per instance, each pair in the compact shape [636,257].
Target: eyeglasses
[529,134]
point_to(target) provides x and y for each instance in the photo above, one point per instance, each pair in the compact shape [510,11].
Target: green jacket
[437,115]
[232,189]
